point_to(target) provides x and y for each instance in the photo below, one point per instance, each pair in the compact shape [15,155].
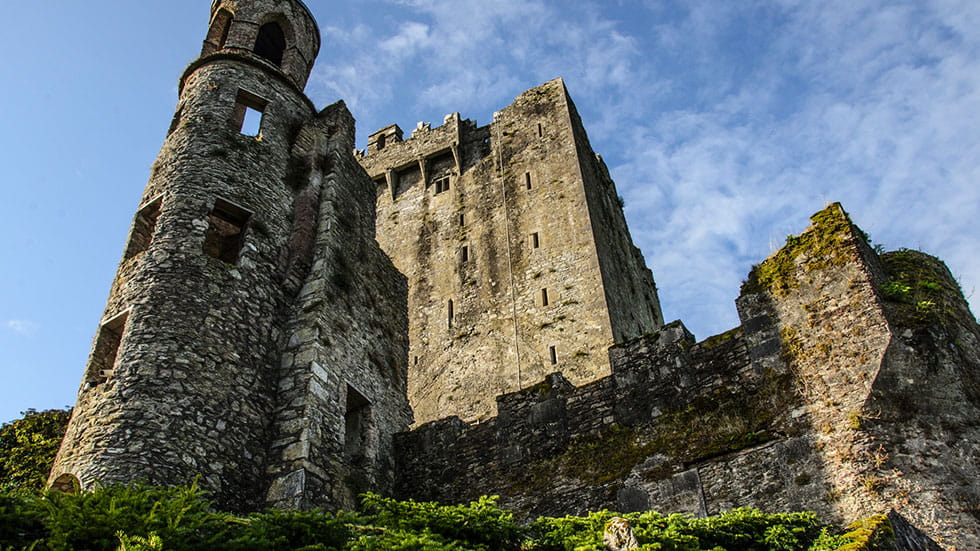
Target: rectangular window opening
[357,425]
[544,297]
[540,130]
[451,314]
[553,352]
[464,254]
[107,345]
[462,220]
[442,184]
[226,229]
[143,228]
[527,180]
[248,114]
[535,241]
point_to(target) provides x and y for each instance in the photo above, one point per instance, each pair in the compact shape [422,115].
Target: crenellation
[530,297]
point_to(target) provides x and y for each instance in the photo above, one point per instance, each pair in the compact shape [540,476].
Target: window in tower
[175,122]
[441,184]
[357,426]
[462,220]
[464,253]
[451,313]
[535,240]
[107,343]
[248,114]
[226,229]
[143,227]
[271,43]
[553,352]
[544,297]
[527,180]
[540,130]
[218,33]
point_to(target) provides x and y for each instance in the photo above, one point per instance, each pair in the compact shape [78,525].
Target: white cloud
[725,124]
[23,327]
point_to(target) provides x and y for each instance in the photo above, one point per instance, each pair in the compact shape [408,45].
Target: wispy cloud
[23,327]
[725,124]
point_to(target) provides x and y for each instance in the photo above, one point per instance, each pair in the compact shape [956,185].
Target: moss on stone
[870,534]
[922,291]
[717,340]
[714,424]
[817,248]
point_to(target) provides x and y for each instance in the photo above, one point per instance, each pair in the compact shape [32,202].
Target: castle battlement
[516,250]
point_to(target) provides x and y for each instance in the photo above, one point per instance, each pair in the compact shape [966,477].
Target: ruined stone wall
[818,401]
[192,389]
[511,244]
[255,332]
[342,388]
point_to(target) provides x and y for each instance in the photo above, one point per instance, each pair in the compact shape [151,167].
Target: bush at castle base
[143,518]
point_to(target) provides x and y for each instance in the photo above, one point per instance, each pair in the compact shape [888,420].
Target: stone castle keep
[463,312]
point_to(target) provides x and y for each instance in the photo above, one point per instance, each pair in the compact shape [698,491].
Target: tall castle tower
[518,258]
[254,331]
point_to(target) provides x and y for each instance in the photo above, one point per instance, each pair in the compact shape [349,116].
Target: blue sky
[725,124]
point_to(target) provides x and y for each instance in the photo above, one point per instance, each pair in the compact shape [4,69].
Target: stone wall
[255,332]
[817,401]
[342,387]
[518,259]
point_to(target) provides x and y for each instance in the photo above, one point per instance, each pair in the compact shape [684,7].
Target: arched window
[271,42]
[66,483]
[218,33]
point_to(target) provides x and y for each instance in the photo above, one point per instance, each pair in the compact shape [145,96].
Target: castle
[287,309]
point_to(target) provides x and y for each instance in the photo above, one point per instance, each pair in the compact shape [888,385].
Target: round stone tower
[181,380]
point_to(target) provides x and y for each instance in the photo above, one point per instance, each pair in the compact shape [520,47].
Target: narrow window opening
[226,228]
[380,143]
[527,180]
[553,352]
[416,361]
[535,241]
[540,130]
[67,484]
[442,184]
[451,314]
[462,220]
[143,228]
[271,43]
[107,345]
[544,297]
[225,28]
[248,114]
[464,253]
[218,32]
[252,124]
[357,423]
[176,121]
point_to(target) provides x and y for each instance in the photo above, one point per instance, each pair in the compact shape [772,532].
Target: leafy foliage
[144,518]
[742,529]
[27,449]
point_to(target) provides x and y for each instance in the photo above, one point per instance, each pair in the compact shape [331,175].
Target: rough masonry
[255,333]
[849,389]
[516,250]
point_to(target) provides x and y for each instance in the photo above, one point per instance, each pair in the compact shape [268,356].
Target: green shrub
[480,523]
[27,449]
[181,516]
